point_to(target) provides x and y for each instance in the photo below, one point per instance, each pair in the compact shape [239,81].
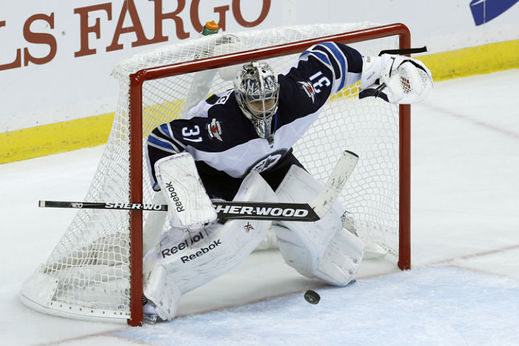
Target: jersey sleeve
[175,137]
[161,143]
[320,71]
[198,130]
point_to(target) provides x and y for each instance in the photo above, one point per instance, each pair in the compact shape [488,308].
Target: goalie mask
[257,92]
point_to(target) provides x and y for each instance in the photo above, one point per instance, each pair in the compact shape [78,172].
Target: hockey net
[95,270]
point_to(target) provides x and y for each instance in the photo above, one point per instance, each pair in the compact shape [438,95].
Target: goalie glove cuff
[372,67]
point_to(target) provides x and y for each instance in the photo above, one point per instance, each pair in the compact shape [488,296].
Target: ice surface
[427,306]
[463,288]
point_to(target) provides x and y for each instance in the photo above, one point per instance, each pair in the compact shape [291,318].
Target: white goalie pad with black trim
[182,261]
[321,249]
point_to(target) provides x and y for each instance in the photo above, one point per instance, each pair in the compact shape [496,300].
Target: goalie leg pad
[162,291]
[183,260]
[321,249]
[154,224]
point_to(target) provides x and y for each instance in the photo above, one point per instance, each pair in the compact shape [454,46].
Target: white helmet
[257,92]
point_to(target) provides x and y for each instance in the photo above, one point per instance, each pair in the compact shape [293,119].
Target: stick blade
[338,177]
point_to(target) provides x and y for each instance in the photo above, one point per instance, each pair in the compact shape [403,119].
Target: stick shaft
[225,210]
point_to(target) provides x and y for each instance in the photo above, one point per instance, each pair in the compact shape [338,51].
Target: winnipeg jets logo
[248,227]
[215,130]
[309,89]
[266,163]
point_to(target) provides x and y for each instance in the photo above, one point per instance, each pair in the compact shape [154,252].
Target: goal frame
[137,80]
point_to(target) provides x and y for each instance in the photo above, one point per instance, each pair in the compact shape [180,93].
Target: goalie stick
[225,210]
[249,210]
[404,51]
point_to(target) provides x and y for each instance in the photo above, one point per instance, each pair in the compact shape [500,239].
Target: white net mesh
[88,272]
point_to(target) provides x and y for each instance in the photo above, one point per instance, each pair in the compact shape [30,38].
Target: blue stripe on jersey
[161,143]
[165,129]
[339,56]
[319,55]
[336,68]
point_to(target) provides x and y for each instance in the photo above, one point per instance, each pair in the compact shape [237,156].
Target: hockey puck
[312,297]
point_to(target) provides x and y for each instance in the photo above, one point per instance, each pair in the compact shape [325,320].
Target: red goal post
[136,138]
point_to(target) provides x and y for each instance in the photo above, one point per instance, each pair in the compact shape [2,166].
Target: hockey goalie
[237,145]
